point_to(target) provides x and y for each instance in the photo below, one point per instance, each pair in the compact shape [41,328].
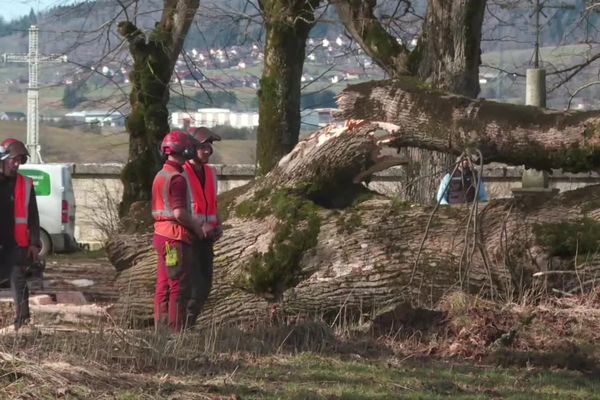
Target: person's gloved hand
[33,254]
[207,231]
[217,233]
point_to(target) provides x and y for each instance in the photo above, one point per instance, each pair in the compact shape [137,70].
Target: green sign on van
[41,181]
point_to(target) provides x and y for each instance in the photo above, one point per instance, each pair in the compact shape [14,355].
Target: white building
[100,117]
[211,117]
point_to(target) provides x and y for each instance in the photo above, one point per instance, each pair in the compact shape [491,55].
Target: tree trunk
[287,26]
[154,59]
[447,57]
[451,52]
[378,252]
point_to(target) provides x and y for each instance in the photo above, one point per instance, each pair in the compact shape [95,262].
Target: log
[290,249]
[508,133]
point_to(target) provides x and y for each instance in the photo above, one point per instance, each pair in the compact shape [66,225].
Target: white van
[56,205]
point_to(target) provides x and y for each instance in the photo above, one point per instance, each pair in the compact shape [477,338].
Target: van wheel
[46,244]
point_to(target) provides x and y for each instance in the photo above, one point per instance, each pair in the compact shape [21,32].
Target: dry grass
[554,355]
[71,145]
[467,348]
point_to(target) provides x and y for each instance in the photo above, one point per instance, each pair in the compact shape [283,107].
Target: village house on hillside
[12,116]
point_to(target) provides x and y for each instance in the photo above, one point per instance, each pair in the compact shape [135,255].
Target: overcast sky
[10,9]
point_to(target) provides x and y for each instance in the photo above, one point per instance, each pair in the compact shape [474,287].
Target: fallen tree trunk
[508,133]
[307,238]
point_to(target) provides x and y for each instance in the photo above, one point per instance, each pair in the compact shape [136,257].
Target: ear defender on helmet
[178,142]
[189,152]
[4,154]
[204,137]
[14,147]
[161,153]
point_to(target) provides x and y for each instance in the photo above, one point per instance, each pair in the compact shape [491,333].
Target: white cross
[33,58]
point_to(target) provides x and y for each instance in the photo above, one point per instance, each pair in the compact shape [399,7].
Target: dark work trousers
[12,267]
[200,281]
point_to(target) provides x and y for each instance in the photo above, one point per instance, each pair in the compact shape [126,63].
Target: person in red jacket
[19,228]
[174,232]
[203,183]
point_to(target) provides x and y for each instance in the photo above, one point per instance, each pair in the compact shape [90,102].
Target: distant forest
[19,25]
[223,23]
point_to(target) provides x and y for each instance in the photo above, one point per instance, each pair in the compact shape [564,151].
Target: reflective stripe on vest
[161,204]
[204,199]
[23,189]
[165,210]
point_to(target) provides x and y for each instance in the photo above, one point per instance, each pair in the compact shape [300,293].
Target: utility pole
[33,59]
[535,181]
[535,92]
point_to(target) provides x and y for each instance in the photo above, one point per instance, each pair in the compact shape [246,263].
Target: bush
[74,95]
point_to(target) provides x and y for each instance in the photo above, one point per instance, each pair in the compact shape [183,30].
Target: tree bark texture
[287,26]
[381,252]
[507,133]
[447,56]
[154,58]
[451,46]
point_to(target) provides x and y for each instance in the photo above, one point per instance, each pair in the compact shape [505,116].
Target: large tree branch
[447,54]
[509,133]
[360,21]
[176,19]
[134,36]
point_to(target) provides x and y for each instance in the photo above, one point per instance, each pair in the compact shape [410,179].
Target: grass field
[110,363]
[71,145]
[556,57]
[67,145]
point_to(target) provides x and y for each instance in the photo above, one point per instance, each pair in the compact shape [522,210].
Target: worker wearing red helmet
[174,231]
[203,185]
[19,228]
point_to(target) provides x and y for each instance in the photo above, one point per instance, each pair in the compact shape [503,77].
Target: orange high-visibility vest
[23,190]
[203,199]
[164,216]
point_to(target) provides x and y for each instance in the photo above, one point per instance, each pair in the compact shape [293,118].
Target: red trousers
[172,293]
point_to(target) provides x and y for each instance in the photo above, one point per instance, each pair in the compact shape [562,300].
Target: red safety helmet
[204,135]
[14,148]
[178,142]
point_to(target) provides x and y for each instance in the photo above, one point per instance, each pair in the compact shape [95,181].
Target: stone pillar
[534,185]
[534,179]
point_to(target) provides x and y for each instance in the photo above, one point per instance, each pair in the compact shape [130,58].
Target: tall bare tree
[288,24]
[154,57]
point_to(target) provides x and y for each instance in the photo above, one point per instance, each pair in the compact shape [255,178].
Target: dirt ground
[92,275]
